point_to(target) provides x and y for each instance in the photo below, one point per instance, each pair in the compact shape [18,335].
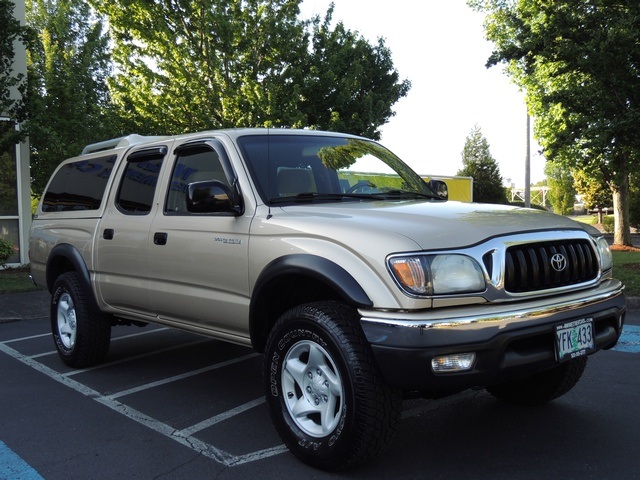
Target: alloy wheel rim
[67,322]
[312,388]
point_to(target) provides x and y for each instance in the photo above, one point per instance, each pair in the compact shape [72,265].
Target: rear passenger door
[198,262]
[122,239]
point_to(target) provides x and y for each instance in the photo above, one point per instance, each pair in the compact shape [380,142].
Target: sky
[439,45]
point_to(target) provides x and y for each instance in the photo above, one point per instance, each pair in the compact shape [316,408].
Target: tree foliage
[68,64]
[591,187]
[349,84]
[478,163]
[10,81]
[579,63]
[6,251]
[562,192]
[194,65]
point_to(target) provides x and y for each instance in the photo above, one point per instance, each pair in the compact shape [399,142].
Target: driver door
[198,262]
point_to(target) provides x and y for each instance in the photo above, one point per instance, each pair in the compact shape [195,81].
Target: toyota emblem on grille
[558,262]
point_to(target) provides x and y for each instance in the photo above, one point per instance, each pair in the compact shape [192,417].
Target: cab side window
[138,184]
[194,164]
[78,185]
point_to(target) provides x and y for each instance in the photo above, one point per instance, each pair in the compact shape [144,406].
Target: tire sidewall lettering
[317,443]
[283,345]
[299,333]
[334,438]
[273,374]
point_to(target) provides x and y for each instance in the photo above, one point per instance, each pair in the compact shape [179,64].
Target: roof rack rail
[116,143]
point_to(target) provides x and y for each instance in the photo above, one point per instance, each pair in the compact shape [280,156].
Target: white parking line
[184,437]
[139,334]
[135,357]
[221,417]
[182,376]
[27,338]
[54,352]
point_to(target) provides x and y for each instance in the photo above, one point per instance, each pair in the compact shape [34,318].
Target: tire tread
[94,327]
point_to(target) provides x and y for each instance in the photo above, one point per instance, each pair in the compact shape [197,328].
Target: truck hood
[429,225]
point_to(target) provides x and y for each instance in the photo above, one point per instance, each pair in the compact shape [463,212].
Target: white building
[15,192]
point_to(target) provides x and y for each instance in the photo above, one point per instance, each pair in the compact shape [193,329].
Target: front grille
[540,266]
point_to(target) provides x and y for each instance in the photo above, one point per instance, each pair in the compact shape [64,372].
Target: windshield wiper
[322,197]
[306,197]
[407,194]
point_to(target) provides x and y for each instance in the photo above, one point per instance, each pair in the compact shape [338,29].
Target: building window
[8,176]
[9,219]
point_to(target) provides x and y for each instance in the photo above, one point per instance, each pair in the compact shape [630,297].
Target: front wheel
[541,387]
[326,396]
[81,335]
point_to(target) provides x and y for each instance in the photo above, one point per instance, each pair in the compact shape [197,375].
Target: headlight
[424,275]
[606,259]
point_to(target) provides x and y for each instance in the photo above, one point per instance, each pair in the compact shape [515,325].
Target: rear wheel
[81,335]
[326,396]
[542,387]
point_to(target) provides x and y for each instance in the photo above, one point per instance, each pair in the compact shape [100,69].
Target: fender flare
[60,257]
[318,268]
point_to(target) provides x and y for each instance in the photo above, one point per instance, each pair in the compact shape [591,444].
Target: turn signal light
[458,362]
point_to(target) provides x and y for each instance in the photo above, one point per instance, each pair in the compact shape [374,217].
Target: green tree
[478,163]
[193,65]
[579,63]
[68,64]
[11,105]
[592,188]
[351,85]
[562,191]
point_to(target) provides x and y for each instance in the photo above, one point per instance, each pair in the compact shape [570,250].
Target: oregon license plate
[574,339]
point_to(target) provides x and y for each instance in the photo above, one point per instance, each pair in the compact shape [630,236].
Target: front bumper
[510,340]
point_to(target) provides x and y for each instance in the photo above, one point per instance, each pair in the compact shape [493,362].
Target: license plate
[574,339]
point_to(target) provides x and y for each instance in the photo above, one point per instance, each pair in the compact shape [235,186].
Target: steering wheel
[361,187]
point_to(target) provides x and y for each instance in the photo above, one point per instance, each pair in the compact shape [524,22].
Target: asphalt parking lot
[168,404]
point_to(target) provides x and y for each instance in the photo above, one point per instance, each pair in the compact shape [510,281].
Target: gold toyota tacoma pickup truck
[358,281]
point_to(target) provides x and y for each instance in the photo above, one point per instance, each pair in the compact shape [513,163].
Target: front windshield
[289,168]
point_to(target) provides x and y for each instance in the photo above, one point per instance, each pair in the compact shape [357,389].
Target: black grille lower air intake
[540,266]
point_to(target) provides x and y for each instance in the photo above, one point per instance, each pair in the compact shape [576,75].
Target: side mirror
[212,196]
[440,188]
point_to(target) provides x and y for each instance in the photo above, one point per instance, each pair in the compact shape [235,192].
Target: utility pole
[527,166]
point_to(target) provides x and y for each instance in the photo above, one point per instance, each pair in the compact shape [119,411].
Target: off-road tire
[318,364]
[81,334]
[541,387]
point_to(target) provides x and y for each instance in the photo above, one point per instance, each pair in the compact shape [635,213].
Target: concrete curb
[24,306]
[9,320]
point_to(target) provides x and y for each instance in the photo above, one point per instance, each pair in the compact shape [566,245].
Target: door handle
[160,238]
[108,234]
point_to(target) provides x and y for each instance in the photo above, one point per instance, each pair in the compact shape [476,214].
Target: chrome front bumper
[481,322]
[510,339]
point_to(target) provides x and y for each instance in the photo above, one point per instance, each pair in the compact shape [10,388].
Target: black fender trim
[58,262]
[318,268]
